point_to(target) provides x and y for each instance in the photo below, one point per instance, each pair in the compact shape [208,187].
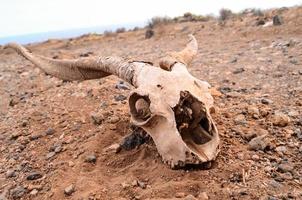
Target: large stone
[280,119]
[259,143]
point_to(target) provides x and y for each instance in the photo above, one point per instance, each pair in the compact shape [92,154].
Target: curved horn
[80,69]
[185,56]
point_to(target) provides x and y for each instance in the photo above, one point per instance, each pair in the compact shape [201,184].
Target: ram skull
[170,104]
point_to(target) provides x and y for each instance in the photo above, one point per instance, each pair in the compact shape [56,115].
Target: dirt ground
[50,143]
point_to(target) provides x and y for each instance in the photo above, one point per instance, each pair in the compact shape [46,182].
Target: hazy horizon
[50,17]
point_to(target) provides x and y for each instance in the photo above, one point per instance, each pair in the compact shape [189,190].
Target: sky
[19,17]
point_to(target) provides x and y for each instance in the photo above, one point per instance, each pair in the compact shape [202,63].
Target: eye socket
[140,107]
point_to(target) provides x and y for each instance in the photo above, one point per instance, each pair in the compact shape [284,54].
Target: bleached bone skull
[170,104]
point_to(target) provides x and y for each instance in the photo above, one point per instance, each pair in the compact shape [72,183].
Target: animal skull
[170,104]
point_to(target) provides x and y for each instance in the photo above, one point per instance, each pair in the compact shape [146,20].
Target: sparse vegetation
[120,30]
[156,21]
[225,14]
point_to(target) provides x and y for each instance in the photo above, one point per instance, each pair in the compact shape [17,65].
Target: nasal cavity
[139,107]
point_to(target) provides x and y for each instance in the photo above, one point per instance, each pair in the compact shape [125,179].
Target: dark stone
[149,33]
[266,101]
[122,86]
[135,139]
[34,176]
[18,192]
[277,20]
[239,70]
[120,97]
[49,131]
[260,22]
[285,167]
[69,190]
[90,158]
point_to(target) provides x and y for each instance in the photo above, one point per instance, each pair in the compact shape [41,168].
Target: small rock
[114,148]
[134,183]
[125,185]
[275,184]
[180,195]
[69,190]
[70,163]
[149,33]
[113,119]
[49,131]
[281,149]
[286,176]
[97,118]
[18,192]
[10,173]
[285,167]
[293,61]
[50,155]
[280,119]
[240,119]
[90,158]
[120,97]
[277,20]
[300,149]
[122,86]
[266,101]
[34,192]
[141,184]
[203,196]
[34,176]
[190,197]
[255,157]
[238,71]
[253,111]
[258,143]
[234,60]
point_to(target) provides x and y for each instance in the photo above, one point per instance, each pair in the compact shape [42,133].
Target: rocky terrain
[58,140]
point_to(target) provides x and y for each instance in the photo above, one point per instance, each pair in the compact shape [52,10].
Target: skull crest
[170,104]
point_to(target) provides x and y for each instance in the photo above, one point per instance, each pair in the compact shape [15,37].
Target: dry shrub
[225,14]
[120,30]
[156,21]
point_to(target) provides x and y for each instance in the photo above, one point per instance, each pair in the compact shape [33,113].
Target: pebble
[253,111]
[190,197]
[203,196]
[281,149]
[141,184]
[18,192]
[255,157]
[238,71]
[10,173]
[286,176]
[34,192]
[258,143]
[90,158]
[50,155]
[97,118]
[122,86]
[49,131]
[34,176]
[113,119]
[125,185]
[120,97]
[114,148]
[275,184]
[180,195]
[280,119]
[240,119]
[285,167]
[69,190]
[266,101]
